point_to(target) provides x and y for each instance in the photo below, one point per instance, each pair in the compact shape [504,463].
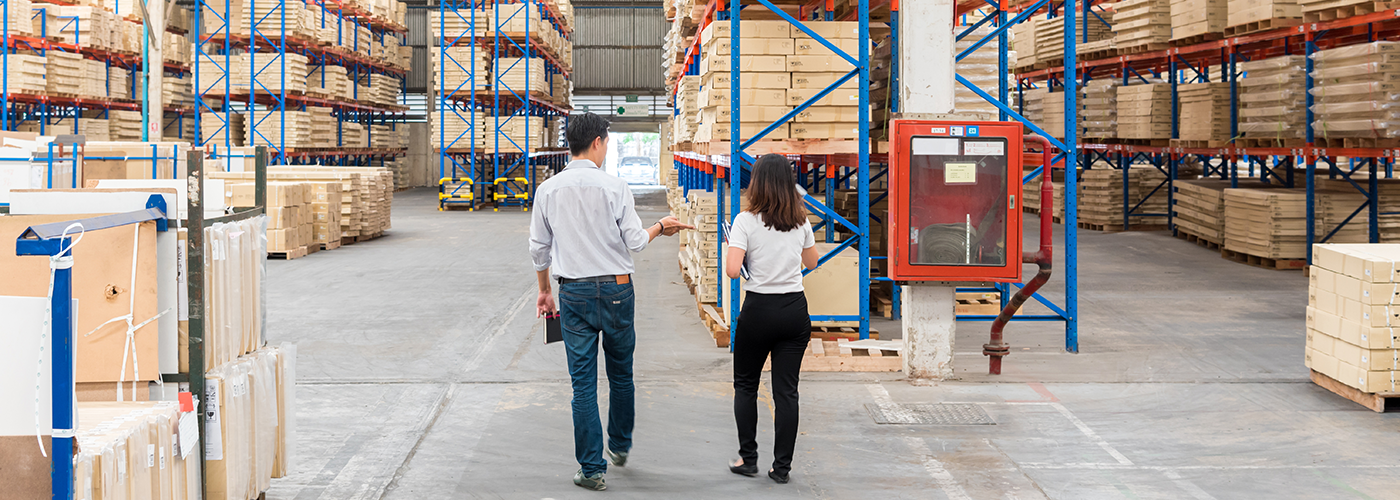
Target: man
[583,228]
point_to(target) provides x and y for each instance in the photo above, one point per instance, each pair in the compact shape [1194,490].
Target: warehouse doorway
[634,157]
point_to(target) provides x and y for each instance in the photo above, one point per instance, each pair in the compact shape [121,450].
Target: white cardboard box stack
[1351,316]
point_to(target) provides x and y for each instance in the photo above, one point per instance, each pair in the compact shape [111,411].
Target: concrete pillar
[926,87]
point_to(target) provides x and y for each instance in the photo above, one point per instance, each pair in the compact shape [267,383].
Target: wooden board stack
[453,73]
[118,84]
[1198,20]
[1023,36]
[1272,223]
[1351,303]
[516,133]
[288,216]
[18,13]
[28,74]
[1272,102]
[323,127]
[687,121]
[93,82]
[367,194]
[520,75]
[1388,218]
[701,246]
[980,68]
[458,129]
[1100,110]
[383,90]
[353,135]
[1346,103]
[1204,114]
[214,129]
[1249,16]
[1199,208]
[1050,36]
[268,67]
[124,125]
[387,136]
[1101,197]
[291,129]
[1053,113]
[65,72]
[1142,25]
[1034,105]
[1144,111]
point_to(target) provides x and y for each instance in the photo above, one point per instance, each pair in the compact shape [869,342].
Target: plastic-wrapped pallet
[1034,104]
[1351,307]
[1354,92]
[1100,113]
[1272,101]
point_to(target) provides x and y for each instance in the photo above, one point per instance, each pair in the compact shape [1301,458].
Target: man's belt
[621,279]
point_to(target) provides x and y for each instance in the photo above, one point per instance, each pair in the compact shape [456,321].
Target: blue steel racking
[1277,164]
[259,102]
[16,107]
[491,175]
[836,164]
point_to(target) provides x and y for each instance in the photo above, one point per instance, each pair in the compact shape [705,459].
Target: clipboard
[553,332]
[744,267]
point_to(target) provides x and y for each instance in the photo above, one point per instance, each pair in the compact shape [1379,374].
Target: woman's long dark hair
[773,194]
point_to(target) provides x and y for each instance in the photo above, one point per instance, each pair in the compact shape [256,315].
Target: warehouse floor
[423,375]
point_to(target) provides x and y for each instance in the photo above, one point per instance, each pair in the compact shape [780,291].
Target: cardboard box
[823,80]
[279,218]
[758,97]
[1353,332]
[747,29]
[1321,342]
[752,47]
[751,63]
[818,64]
[806,130]
[804,45]
[748,81]
[847,30]
[278,240]
[838,97]
[829,114]
[755,114]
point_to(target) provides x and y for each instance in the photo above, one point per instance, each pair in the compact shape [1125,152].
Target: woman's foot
[778,478]
[741,468]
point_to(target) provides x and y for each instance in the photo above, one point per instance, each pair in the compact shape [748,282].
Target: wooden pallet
[1264,262]
[1141,48]
[1262,25]
[298,253]
[1195,39]
[347,240]
[1197,239]
[1378,402]
[1251,142]
[1118,227]
[330,245]
[836,356]
[1332,11]
[1355,142]
[1151,143]
[1197,144]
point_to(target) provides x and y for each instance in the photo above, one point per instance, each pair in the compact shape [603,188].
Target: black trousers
[776,324]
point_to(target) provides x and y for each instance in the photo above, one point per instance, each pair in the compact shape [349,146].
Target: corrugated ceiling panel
[649,28]
[417,20]
[603,27]
[602,68]
[647,73]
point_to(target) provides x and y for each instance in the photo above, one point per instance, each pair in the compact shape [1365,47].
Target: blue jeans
[586,310]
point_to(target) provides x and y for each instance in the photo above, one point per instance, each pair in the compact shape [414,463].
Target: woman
[772,241]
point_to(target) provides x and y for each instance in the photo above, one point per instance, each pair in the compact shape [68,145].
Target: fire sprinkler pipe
[997,347]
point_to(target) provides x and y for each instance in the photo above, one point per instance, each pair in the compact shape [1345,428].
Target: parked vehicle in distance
[637,170]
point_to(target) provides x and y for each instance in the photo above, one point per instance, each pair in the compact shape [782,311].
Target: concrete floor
[423,375]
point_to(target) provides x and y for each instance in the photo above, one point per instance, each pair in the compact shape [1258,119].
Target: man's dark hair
[583,129]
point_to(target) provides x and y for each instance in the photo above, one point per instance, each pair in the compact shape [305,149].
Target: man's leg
[619,342]
[576,301]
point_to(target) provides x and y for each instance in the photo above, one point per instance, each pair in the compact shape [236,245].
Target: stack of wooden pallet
[1142,25]
[1272,223]
[1347,105]
[65,72]
[1199,209]
[1272,102]
[1352,349]
[1249,16]
[1144,111]
[1198,20]
[1100,115]
[290,129]
[28,74]
[1204,114]
[124,125]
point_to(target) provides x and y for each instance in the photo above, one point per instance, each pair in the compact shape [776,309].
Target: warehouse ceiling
[617,48]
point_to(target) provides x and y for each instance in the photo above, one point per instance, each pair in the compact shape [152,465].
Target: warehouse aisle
[423,375]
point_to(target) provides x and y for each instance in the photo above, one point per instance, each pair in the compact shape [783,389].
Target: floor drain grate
[929,414]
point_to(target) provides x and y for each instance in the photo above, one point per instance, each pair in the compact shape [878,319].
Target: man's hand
[671,225]
[544,305]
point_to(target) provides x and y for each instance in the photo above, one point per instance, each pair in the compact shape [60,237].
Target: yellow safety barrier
[444,195]
[497,196]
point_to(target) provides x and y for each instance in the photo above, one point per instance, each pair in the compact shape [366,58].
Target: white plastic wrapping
[1271,98]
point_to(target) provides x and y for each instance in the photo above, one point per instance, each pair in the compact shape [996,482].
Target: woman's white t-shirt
[774,258]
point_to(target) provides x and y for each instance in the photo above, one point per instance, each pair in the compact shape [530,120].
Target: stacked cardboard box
[1053,113]
[383,90]
[217,128]
[268,67]
[1388,218]
[291,129]
[699,257]
[328,81]
[1272,223]
[28,74]
[1347,102]
[289,214]
[323,127]
[65,72]
[1033,103]
[458,129]
[1272,101]
[765,75]
[1023,39]
[1199,208]
[454,74]
[1351,299]
[1141,25]
[814,67]
[1204,112]
[353,135]
[687,120]
[1196,18]
[1101,196]
[18,13]
[1144,111]
[118,83]
[1050,36]
[367,193]
[387,136]
[1101,109]
[1248,16]
[93,82]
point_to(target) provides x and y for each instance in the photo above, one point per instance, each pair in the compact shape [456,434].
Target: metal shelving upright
[492,173]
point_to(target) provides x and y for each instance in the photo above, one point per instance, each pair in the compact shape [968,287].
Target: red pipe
[997,347]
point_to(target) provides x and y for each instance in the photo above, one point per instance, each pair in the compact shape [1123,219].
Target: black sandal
[744,469]
[780,479]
